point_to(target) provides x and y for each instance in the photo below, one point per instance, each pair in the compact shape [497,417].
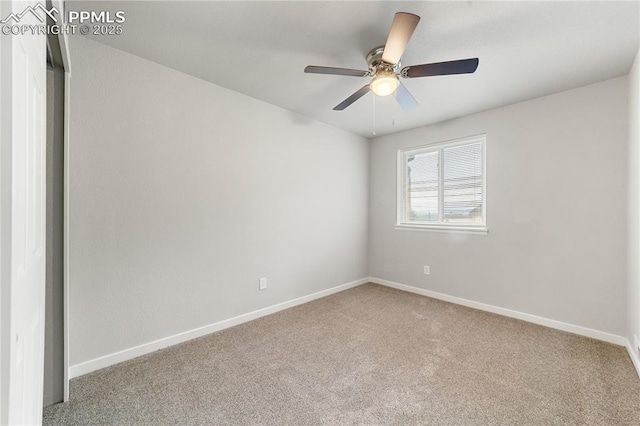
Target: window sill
[477,230]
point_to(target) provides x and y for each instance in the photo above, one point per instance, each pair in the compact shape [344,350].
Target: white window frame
[403,224]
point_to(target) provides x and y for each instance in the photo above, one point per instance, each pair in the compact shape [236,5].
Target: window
[442,186]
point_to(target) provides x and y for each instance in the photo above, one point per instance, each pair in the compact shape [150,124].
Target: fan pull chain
[373,96]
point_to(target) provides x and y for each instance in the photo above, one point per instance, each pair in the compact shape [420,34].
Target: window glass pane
[422,188]
[462,185]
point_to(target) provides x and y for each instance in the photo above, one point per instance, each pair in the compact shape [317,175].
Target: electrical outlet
[637,342]
[427,270]
[262,284]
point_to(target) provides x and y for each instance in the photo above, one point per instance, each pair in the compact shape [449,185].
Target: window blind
[442,185]
[462,183]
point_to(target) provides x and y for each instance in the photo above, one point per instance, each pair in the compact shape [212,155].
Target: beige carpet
[369,355]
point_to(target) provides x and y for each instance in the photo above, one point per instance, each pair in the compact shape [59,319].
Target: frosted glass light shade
[384,83]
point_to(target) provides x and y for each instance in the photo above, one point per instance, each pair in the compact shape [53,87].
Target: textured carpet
[369,355]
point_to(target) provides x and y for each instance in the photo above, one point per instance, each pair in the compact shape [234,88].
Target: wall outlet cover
[427,270]
[262,284]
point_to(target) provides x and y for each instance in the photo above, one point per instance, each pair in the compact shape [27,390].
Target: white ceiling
[526,50]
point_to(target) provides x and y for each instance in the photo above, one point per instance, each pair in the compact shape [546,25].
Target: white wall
[633,298]
[184,193]
[556,203]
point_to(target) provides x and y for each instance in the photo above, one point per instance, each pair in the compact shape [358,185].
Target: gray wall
[633,298]
[556,204]
[184,193]
[54,325]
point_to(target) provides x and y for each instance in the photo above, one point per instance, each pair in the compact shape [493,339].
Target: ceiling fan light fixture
[385,67]
[384,83]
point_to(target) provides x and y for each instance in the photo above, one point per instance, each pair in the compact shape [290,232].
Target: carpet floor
[370,355]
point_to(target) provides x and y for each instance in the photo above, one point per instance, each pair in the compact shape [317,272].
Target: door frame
[6,129]
[22,272]
[63,40]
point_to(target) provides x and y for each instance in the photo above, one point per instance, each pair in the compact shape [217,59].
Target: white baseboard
[559,325]
[127,354]
[633,353]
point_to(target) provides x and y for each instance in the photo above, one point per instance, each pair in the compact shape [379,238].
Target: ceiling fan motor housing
[376,64]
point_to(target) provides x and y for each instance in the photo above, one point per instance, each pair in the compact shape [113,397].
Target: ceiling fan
[385,68]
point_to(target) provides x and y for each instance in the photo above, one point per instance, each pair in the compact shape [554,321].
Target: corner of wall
[633,219]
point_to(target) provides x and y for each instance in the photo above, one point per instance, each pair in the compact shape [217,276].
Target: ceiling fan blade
[401,30]
[313,69]
[404,98]
[351,99]
[462,66]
